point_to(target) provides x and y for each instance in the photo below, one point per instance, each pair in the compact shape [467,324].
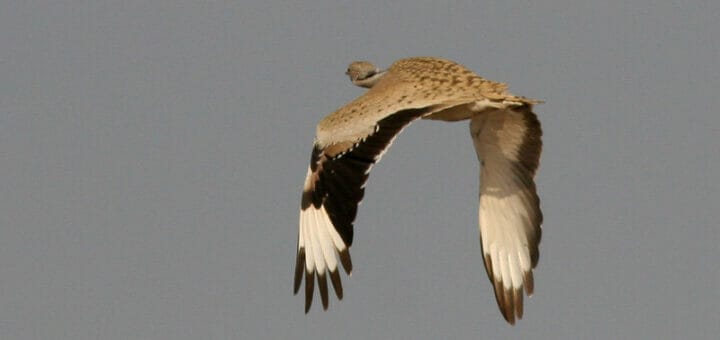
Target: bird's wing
[508,144]
[334,186]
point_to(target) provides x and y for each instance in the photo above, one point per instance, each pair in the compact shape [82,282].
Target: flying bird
[507,139]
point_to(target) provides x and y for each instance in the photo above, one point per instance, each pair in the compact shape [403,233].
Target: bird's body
[506,135]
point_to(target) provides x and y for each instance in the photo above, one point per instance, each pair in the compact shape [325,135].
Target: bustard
[507,138]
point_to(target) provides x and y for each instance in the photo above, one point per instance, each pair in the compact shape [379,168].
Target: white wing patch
[320,240]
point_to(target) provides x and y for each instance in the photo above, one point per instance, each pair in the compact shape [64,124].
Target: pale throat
[369,81]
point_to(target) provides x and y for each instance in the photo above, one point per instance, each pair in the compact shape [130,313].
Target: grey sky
[152,156]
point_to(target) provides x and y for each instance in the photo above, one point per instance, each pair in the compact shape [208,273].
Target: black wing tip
[337,284]
[309,290]
[518,302]
[323,288]
[509,301]
[346,261]
[509,306]
[529,283]
[299,269]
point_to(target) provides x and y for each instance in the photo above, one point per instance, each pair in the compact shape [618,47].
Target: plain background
[152,156]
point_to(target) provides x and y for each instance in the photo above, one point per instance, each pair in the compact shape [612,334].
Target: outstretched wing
[334,187]
[508,144]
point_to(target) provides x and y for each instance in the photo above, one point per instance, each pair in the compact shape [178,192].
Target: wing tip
[299,266]
[337,284]
[309,290]
[335,281]
[346,261]
[323,288]
[510,302]
[510,299]
[529,282]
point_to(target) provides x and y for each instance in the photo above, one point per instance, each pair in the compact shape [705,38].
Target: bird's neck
[369,81]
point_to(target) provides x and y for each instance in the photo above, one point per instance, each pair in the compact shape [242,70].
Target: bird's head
[364,74]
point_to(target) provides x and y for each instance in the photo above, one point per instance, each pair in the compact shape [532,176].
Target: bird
[506,134]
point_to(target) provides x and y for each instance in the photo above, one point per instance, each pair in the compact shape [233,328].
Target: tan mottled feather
[409,84]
